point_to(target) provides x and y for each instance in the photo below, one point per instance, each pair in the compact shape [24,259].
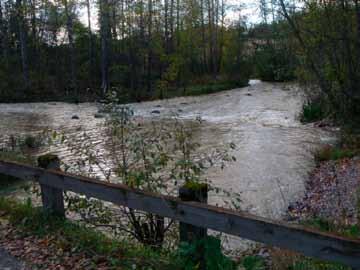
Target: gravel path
[8,262]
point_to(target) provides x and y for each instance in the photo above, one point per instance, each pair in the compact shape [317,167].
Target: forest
[160,134]
[147,49]
[141,49]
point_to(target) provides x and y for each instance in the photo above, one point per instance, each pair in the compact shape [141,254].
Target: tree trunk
[166,39]
[2,32]
[69,28]
[105,36]
[319,77]
[357,9]
[203,37]
[171,26]
[23,43]
[177,23]
[149,41]
[91,47]
[212,36]
[113,20]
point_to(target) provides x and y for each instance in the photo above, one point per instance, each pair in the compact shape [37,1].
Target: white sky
[247,9]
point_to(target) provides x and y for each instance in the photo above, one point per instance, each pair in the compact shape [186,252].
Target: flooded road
[274,150]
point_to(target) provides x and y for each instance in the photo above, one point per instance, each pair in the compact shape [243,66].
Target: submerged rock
[155,112]
[75,117]
[99,115]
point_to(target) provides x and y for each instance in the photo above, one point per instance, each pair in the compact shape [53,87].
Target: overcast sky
[247,9]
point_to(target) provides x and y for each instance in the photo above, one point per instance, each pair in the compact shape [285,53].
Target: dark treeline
[140,48]
[316,42]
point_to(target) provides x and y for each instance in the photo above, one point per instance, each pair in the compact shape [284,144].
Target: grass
[288,260]
[334,153]
[312,111]
[9,183]
[311,264]
[253,263]
[119,254]
[16,156]
[352,231]
[122,254]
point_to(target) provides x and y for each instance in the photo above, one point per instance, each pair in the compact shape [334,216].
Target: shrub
[313,111]
[253,263]
[156,157]
[274,64]
[333,153]
[310,264]
[119,254]
[213,258]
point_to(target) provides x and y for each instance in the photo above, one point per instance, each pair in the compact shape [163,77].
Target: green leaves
[213,258]
[253,263]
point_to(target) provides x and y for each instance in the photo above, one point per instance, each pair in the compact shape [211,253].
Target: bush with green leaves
[253,263]
[274,63]
[313,110]
[310,264]
[156,156]
[208,251]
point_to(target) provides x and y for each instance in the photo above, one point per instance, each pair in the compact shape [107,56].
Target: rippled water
[274,150]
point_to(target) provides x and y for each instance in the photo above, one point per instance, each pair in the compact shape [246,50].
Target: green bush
[313,111]
[31,220]
[213,258]
[310,264]
[328,226]
[333,153]
[253,263]
[274,64]
[16,156]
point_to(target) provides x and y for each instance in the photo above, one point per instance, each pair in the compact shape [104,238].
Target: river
[274,150]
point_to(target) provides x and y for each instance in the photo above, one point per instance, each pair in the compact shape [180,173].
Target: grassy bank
[78,239]
[98,249]
[193,89]
[202,89]
[9,183]
[67,241]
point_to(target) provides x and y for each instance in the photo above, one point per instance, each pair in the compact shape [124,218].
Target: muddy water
[274,150]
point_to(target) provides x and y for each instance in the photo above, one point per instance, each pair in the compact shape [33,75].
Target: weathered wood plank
[188,232]
[308,242]
[52,198]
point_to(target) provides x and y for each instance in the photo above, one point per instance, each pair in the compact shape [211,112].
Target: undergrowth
[31,220]
[313,111]
[118,253]
[334,153]
[8,183]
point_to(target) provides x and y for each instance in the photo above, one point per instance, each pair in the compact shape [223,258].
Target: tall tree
[70,34]
[105,40]
[20,10]
[149,46]
[91,43]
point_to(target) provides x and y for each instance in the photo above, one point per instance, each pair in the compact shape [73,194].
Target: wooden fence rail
[309,242]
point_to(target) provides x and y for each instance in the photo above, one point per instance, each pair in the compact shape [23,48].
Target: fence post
[52,198]
[195,192]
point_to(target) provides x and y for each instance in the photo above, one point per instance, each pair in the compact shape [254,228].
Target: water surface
[274,150]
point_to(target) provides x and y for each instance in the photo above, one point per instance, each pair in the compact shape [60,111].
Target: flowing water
[274,150]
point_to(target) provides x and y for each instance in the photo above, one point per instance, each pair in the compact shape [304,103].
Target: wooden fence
[309,242]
